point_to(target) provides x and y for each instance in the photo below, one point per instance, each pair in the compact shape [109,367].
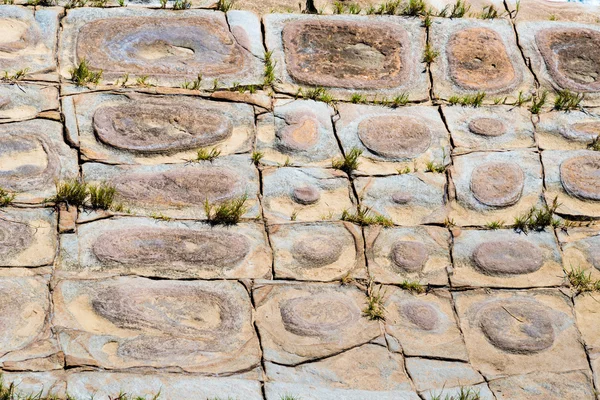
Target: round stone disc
[497,184]
[487,127]
[508,257]
[395,136]
[409,256]
[580,176]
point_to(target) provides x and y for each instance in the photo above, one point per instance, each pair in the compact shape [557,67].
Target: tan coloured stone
[318,251]
[576,385]
[298,133]
[67,215]
[165,249]
[424,324]
[588,317]
[495,186]
[489,128]
[27,237]
[135,129]
[128,322]
[375,55]
[504,258]
[300,322]
[167,47]
[27,101]
[305,194]
[512,332]
[392,140]
[477,56]
[415,254]
[574,130]
[573,177]
[552,10]
[407,199]
[581,249]
[36,383]
[180,191]
[376,374]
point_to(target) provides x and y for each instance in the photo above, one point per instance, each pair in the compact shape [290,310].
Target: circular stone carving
[409,256]
[402,197]
[580,176]
[306,195]
[318,315]
[14,238]
[497,184]
[421,314]
[487,127]
[394,136]
[167,247]
[27,161]
[17,35]
[353,55]
[316,251]
[478,60]
[589,130]
[162,46]
[156,128]
[301,134]
[189,186]
[510,257]
[520,327]
[572,57]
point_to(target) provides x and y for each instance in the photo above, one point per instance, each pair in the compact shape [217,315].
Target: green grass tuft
[474,100]
[429,55]
[256,157]
[537,219]
[412,286]
[595,145]
[414,8]
[494,225]
[82,75]
[566,100]
[181,5]
[72,192]
[193,85]
[226,213]
[224,5]
[375,309]
[582,281]
[457,10]
[364,216]
[269,77]
[463,394]
[6,198]
[207,155]
[358,98]
[490,12]
[102,196]
[318,93]
[537,102]
[350,161]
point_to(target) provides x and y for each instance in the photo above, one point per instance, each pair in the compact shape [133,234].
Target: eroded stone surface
[42,383]
[27,238]
[544,385]
[317,251]
[567,131]
[516,333]
[166,47]
[305,194]
[135,322]
[299,322]
[166,249]
[545,10]
[19,103]
[424,324]
[497,184]
[419,253]
[392,139]
[580,176]
[581,248]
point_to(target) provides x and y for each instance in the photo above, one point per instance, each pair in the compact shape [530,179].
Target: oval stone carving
[318,315]
[401,197]
[189,186]
[17,35]
[27,161]
[423,315]
[354,55]
[409,256]
[510,257]
[572,57]
[590,129]
[497,184]
[162,46]
[394,136]
[165,247]
[301,135]
[520,327]
[155,128]
[306,195]
[580,176]
[15,237]
[478,60]
[487,127]
[316,251]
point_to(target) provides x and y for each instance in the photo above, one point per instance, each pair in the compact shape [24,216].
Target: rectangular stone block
[581,249]
[27,101]
[374,56]
[574,130]
[576,385]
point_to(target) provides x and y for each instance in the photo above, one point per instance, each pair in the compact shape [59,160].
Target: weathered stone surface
[37,383]
[424,324]
[136,129]
[415,253]
[300,322]
[489,128]
[371,55]
[297,133]
[166,249]
[102,385]
[517,333]
[408,199]
[180,191]
[588,317]
[167,47]
[574,130]
[552,10]
[504,258]
[393,139]
[28,41]
[136,322]
[581,249]
[477,56]
[32,156]
[544,385]
[26,101]
[318,251]
[442,378]
[27,237]
[495,186]
[563,55]
[376,374]
[283,198]
[574,178]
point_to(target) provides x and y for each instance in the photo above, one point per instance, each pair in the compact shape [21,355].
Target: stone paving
[153,297]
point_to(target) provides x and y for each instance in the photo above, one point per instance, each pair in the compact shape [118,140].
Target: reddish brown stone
[508,257]
[306,195]
[580,176]
[409,256]
[395,136]
[487,127]
[497,184]
[316,251]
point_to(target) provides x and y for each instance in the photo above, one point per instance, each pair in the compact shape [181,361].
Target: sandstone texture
[567,131]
